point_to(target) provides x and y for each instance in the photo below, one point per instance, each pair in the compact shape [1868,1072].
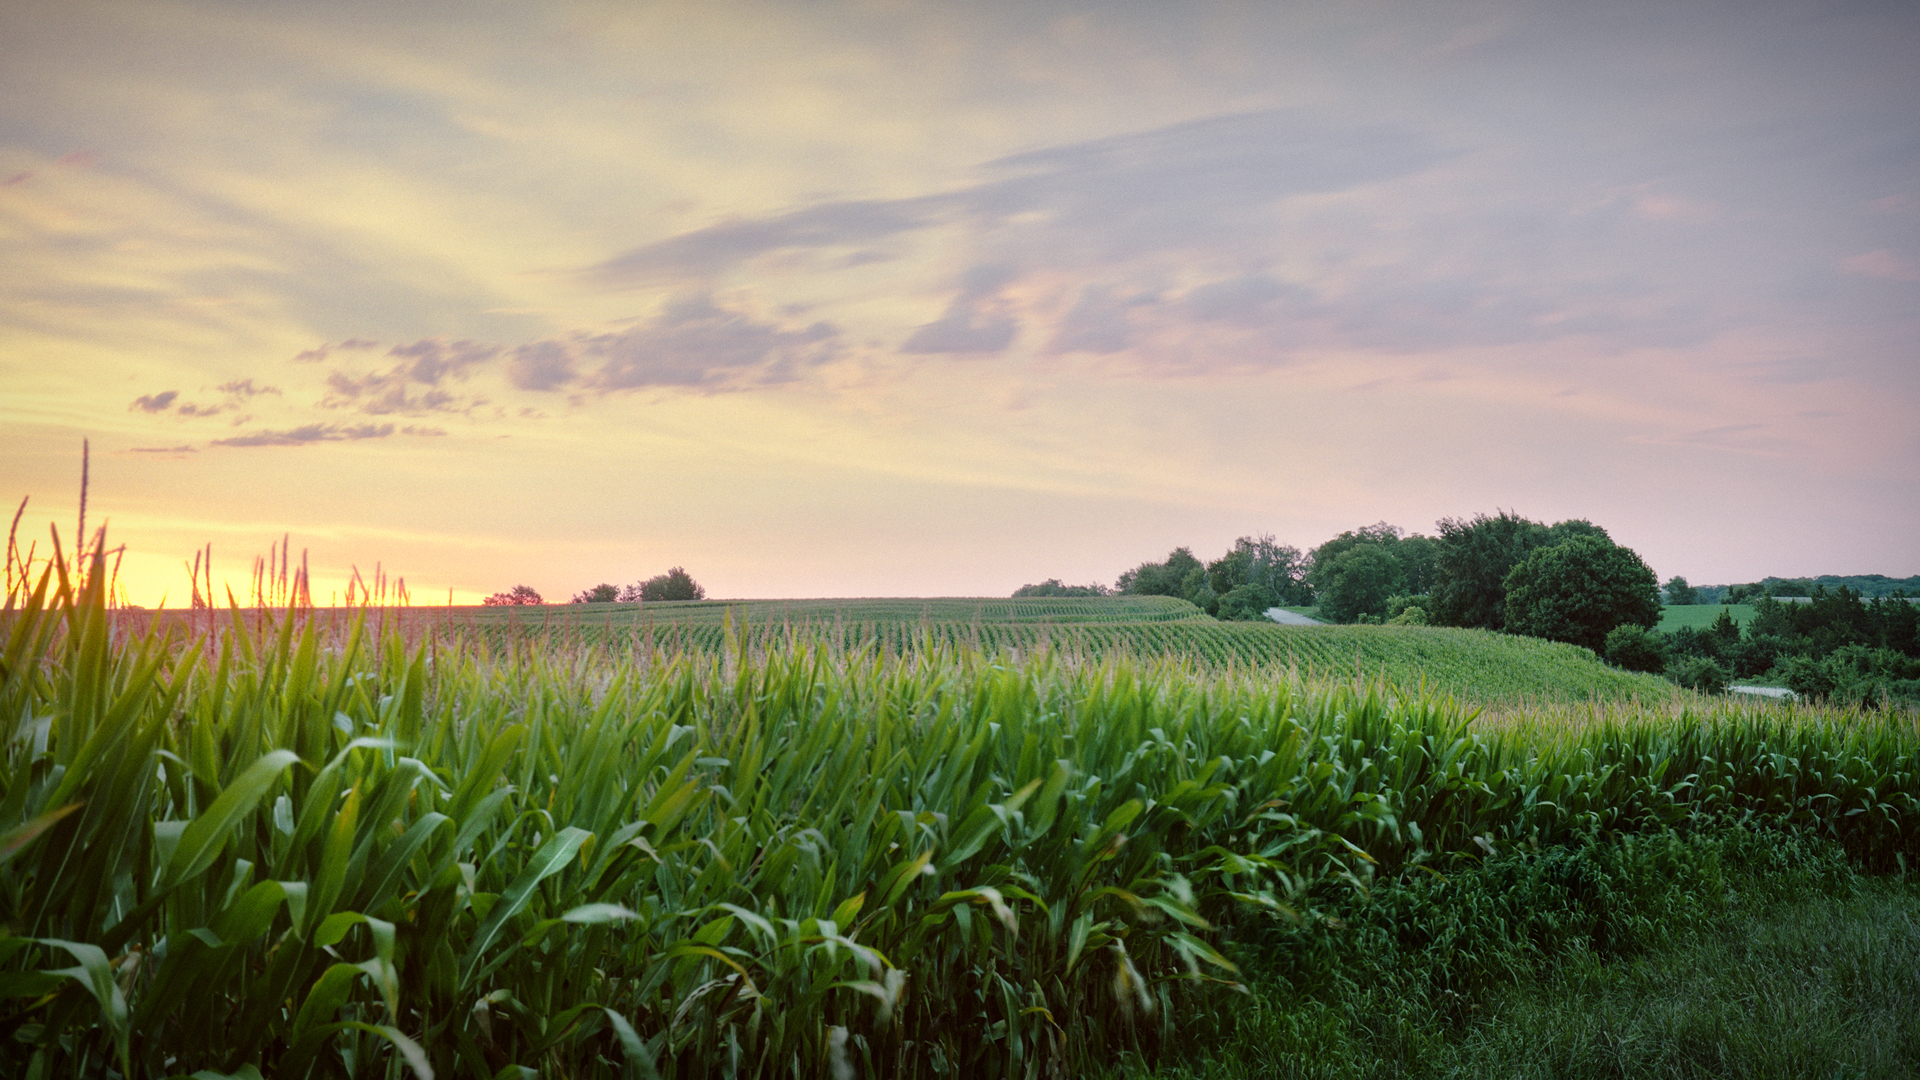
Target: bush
[1854,675]
[1636,648]
[1699,673]
[1756,654]
[1246,603]
[599,594]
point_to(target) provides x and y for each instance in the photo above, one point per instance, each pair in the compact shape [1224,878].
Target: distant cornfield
[277,846]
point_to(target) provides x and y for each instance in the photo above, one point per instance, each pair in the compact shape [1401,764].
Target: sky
[900,298]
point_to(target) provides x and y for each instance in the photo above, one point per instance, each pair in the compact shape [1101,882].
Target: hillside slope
[1471,664]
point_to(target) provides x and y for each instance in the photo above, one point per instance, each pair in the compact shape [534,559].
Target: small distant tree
[1681,594]
[514,597]
[1168,578]
[1726,632]
[1280,569]
[675,584]
[1053,587]
[599,594]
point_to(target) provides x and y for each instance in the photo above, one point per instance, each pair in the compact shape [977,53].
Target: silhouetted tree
[675,584]
[518,595]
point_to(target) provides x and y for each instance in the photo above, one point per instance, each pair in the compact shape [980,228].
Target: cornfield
[279,845]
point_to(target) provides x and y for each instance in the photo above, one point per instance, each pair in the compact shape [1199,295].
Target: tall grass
[307,848]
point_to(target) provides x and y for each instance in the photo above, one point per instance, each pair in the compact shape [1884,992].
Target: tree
[1418,557]
[1161,578]
[1279,569]
[1358,582]
[1345,591]
[518,595]
[599,594]
[1578,590]
[1681,594]
[675,584]
[1471,566]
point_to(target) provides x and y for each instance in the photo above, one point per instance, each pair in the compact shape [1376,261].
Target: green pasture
[382,844]
[1701,616]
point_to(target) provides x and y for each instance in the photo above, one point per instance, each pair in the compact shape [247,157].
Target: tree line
[1567,581]
[1838,645]
[1867,586]
[675,584]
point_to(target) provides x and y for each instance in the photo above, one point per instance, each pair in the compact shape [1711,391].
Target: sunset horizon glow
[896,298]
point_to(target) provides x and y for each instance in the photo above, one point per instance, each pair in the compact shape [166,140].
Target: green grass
[1721,953]
[1701,616]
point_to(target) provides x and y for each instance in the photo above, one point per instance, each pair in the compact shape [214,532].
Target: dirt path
[1290,618]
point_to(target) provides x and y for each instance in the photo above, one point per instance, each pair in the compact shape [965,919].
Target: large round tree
[1578,590]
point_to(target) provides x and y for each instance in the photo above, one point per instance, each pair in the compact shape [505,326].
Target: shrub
[1246,603]
[1636,649]
[599,594]
[1699,673]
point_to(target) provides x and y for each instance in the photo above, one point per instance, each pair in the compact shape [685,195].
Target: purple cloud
[693,343]
[309,433]
[975,322]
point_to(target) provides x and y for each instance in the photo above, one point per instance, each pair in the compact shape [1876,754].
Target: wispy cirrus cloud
[1241,202]
[1165,189]
[315,356]
[692,343]
[309,433]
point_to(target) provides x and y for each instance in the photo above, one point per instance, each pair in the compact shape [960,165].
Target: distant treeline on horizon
[1867,585]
